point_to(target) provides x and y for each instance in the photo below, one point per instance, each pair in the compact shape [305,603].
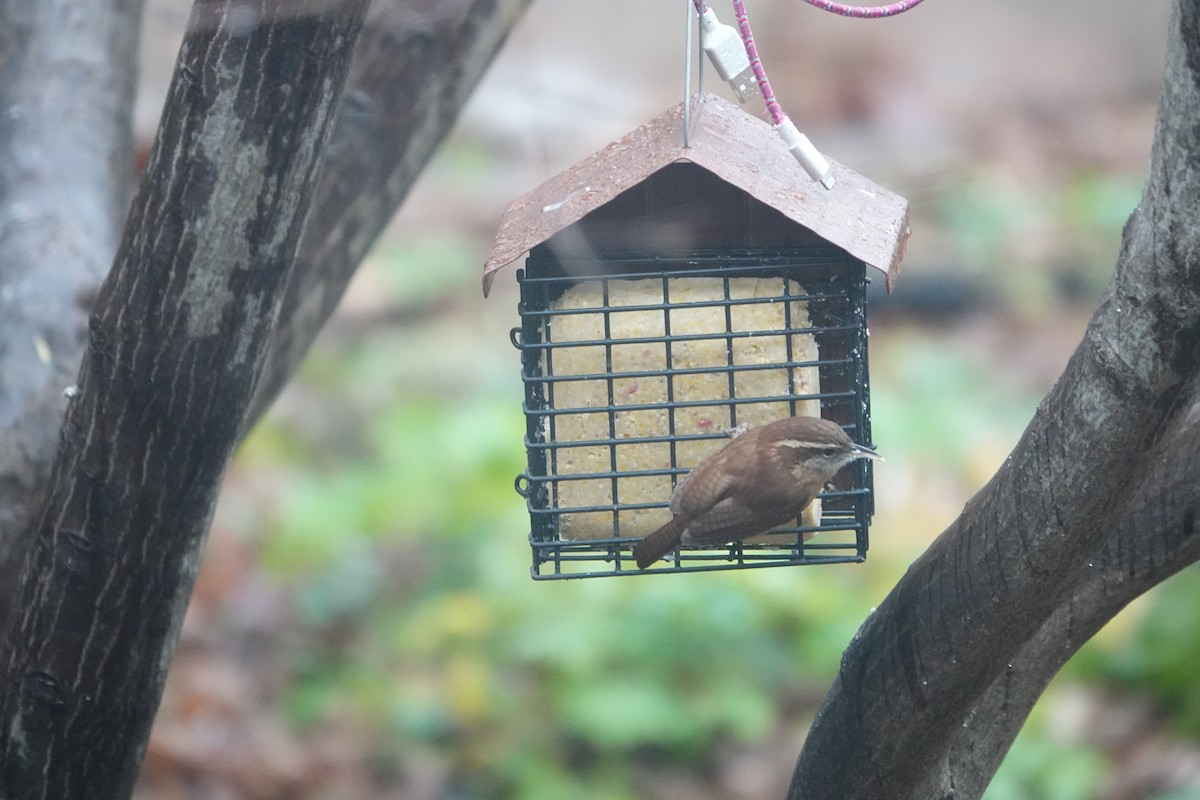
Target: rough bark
[1154,540]
[938,680]
[414,66]
[66,100]
[177,340]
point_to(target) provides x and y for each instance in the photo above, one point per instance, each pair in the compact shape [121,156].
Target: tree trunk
[65,181]
[1096,504]
[414,66]
[103,568]
[178,338]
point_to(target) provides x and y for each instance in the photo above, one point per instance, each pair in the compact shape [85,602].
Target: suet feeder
[673,292]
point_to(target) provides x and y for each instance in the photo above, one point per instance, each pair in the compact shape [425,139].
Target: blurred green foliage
[458,650]
[1036,246]
[936,400]
[1158,655]
[1035,768]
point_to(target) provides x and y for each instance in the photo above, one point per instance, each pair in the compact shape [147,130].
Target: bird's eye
[829,452]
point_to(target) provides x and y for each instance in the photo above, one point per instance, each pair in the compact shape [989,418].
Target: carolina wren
[762,479]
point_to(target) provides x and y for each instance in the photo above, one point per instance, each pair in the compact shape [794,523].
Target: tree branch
[414,67]
[177,341]
[985,588]
[412,73]
[1154,540]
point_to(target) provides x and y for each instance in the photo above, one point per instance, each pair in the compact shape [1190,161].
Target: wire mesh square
[634,370]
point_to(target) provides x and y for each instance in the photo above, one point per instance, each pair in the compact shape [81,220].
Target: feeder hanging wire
[803,150]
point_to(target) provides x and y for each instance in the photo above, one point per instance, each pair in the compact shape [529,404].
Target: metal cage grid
[834,293]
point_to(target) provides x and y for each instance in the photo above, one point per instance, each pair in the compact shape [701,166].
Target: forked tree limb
[1003,573]
[178,337]
[415,65]
[88,653]
[1156,538]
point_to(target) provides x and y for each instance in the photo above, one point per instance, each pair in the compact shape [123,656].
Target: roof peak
[857,215]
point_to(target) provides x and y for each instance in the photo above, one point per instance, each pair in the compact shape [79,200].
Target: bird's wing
[713,481]
[727,520]
[709,485]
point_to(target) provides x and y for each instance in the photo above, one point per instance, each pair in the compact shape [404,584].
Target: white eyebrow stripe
[810,445]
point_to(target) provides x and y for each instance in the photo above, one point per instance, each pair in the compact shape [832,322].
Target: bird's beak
[865,452]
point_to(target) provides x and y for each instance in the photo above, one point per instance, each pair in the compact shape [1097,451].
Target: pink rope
[861,12]
[774,110]
[865,12]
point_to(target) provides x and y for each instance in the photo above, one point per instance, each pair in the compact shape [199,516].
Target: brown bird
[762,479]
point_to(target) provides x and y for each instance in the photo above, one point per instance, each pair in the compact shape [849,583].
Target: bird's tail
[659,543]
